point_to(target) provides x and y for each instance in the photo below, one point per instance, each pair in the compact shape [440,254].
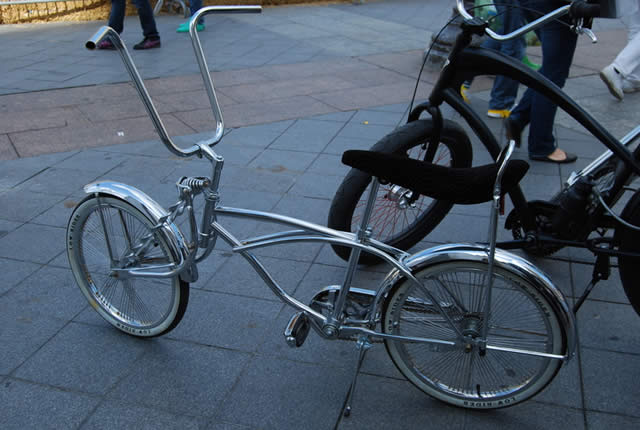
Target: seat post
[333,322]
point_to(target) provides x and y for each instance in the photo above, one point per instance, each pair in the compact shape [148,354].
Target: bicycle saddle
[464,186]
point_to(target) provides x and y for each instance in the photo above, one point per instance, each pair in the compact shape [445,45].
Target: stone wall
[98,10]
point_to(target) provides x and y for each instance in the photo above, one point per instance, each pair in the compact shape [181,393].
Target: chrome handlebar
[195,149]
[522,30]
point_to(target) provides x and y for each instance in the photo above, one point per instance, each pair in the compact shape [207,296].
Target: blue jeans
[558,46]
[505,90]
[145,13]
[194,6]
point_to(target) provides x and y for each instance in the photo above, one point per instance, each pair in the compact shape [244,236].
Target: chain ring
[543,224]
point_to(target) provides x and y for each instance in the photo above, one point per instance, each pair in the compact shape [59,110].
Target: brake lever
[579,30]
[591,34]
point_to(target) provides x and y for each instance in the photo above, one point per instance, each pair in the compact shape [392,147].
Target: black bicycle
[579,215]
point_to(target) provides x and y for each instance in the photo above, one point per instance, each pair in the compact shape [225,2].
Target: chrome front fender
[155,212]
[504,260]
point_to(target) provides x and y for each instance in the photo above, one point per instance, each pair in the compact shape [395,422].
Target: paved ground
[299,85]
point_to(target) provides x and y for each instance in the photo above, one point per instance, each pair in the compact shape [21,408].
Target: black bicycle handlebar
[582,9]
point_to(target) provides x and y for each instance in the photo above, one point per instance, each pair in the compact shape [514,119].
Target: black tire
[139,306]
[520,317]
[417,219]
[629,241]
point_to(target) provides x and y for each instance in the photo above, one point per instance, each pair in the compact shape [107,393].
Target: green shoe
[184,27]
[530,64]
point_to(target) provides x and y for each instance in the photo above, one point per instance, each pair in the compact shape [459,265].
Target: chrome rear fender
[156,213]
[504,260]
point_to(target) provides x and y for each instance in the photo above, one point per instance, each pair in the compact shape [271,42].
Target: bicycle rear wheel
[520,318]
[400,218]
[106,233]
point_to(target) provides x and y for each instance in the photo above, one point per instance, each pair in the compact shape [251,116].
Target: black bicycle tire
[628,240]
[400,140]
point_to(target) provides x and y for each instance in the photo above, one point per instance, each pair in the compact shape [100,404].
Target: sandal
[568,158]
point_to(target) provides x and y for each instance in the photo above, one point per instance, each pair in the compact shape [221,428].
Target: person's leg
[116,15]
[521,113]
[147,21]
[488,43]
[558,46]
[116,21]
[628,60]
[623,75]
[194,6]
[505,90]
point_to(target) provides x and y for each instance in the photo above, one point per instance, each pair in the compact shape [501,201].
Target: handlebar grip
[582,9]
[102,32]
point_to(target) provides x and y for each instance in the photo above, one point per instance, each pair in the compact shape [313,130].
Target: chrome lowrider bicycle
[469,324]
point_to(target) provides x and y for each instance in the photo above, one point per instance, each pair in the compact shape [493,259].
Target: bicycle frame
[403,265]
[465,62]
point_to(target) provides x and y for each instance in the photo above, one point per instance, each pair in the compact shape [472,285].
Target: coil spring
[196,184]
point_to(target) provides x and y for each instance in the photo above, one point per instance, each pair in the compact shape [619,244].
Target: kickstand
[363,346]
[601,270]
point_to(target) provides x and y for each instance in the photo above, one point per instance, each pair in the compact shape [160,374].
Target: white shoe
[613,79]
[630,86]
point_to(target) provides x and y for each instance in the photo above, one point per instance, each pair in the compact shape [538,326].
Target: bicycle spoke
[462,372]
[112,238]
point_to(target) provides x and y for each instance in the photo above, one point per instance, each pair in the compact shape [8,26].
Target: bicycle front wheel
[520,318]
[105,234]
[400,218]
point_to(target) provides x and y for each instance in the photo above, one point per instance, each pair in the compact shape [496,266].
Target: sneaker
[613,79]
[463,91]
[530,64]
[106,44]
[184,27]
[630,86]
[498,113]
[148,43]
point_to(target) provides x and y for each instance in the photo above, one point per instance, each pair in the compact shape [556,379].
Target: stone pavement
[299,85]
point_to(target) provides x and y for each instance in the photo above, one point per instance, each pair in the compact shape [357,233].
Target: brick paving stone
[213,320]
[49,292]
[604,421]
[20,244]
[27,405]
[265,386]
[22,335]
[116,414]
[84,359]
[182,378]
[13,272]
[7,151]
[609,382]
[22,205]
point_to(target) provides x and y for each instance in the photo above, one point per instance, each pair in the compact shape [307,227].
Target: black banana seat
[457,185]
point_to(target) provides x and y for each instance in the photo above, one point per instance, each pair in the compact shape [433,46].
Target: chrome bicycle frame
[204,238]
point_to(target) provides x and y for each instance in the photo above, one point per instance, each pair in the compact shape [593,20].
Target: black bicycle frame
[466,62]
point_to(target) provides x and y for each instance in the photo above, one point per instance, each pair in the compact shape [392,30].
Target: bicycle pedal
[297,330]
